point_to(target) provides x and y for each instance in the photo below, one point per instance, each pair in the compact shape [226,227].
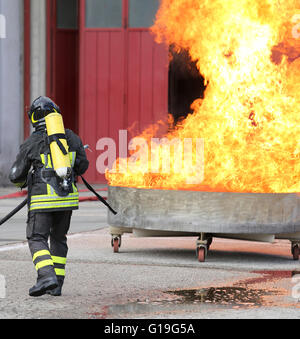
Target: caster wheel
[296,252]
[201,254]
[116,245]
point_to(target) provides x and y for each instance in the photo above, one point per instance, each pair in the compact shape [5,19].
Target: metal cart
[249,216]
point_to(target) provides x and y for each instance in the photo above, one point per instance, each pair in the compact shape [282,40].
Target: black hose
[13,212]
[97,195]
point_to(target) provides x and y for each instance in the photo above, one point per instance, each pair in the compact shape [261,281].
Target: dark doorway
[185,84]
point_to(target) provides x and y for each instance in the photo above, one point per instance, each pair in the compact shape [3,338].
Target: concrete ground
[149,277]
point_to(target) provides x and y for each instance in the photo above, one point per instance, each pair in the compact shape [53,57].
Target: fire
[249,54]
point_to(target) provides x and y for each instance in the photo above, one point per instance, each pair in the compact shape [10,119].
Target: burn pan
[249,216]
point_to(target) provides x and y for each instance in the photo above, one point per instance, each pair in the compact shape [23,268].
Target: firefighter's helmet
[40,108]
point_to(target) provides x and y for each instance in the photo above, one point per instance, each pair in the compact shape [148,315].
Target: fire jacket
[35,154]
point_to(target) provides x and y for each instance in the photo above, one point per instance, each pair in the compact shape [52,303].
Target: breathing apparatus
[45,114]
[58,146]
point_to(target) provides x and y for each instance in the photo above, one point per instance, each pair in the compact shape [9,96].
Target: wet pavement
[156,278]
[150,278]
[273,294]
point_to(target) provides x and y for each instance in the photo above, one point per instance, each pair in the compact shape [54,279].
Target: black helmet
[41,107]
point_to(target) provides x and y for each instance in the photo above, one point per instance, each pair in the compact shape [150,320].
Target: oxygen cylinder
[58,144]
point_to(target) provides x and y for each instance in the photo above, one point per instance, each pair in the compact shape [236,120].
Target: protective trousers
[40,226]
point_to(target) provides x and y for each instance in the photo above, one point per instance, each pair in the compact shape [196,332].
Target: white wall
[11,83]
[11,74]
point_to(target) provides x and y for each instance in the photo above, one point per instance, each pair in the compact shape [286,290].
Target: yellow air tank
[58,144]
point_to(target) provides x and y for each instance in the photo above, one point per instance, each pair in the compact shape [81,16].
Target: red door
[123,73]
[62,58]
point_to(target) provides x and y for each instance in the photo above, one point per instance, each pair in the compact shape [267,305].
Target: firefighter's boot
[43,284]
[56,292]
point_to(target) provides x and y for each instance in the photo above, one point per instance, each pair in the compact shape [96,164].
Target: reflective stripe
[70,196]
[44,263]
[46,161]
[40,253]
[55,202]
[43,198]
[53,205]
[59,271]
[59,260]
[72,156]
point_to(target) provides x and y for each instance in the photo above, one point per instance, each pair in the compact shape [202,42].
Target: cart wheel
[201,254]
[116,245]
[296,252]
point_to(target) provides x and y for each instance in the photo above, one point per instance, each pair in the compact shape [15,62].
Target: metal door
[123,72]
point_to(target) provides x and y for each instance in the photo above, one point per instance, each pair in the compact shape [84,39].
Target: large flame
[249,54]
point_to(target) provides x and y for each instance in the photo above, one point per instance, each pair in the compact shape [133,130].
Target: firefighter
[51,198]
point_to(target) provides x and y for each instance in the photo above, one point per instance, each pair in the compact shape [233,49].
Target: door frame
[26,67]
[51,43]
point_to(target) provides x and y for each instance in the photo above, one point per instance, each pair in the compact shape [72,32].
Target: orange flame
[249,53]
